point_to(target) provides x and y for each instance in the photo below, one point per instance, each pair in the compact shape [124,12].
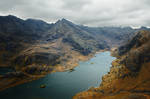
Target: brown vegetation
[129,75]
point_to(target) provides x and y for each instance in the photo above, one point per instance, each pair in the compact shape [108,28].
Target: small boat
[92,63]
[42,86]
[71,70]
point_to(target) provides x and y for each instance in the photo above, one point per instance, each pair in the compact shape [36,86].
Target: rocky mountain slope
[33,47]
[27,42]
[116,34]
[129,75]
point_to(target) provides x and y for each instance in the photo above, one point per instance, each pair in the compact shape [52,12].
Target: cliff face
[129,75]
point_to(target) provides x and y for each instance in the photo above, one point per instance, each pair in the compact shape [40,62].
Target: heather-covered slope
[17,35]
[27,42]
[129,75]
[33,47]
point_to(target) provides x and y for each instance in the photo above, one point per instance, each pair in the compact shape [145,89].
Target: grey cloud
[7,5]
[75,4]
[87,12]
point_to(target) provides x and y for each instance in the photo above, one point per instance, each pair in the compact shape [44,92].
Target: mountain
[129,75]
[17,35]
[79,39]
[112,35]
[33,47]
[136,51]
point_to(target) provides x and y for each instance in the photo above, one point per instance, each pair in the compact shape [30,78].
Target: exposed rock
[18,74]
[37,69]
[138,51]
[37,58]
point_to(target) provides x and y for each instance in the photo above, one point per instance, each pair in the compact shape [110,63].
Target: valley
[64,84]
[32,49]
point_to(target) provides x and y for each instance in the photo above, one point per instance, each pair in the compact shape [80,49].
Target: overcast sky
[86,12]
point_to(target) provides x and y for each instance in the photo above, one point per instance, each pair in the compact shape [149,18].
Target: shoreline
[92,88]
[17,81]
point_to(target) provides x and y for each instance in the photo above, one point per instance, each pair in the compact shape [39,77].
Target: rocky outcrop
[129,75]
[136,52]
[37,58]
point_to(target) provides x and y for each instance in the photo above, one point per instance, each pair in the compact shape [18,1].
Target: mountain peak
[30,20]
[63,20]
[10,17]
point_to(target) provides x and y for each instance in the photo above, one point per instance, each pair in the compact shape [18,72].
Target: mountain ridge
[34,47]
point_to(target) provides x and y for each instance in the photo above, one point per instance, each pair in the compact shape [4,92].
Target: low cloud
[86,12]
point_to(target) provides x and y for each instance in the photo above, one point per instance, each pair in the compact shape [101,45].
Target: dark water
[63,85]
